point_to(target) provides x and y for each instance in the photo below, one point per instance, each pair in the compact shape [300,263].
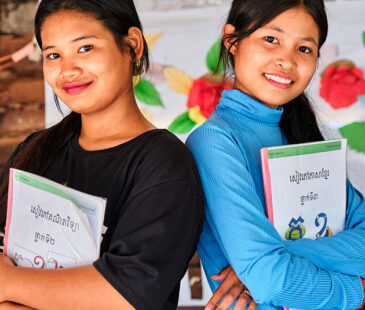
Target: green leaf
[182,124]
[363,37]
[355,135]
[213,58]
[147,93]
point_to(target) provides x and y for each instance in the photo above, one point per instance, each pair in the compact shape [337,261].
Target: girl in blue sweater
[273,47]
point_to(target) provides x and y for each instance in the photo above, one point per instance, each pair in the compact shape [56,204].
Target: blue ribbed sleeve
[305,274]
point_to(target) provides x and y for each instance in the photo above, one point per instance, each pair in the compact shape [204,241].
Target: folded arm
[81,288]
[251,244]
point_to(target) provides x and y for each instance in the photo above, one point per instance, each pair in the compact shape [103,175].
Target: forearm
[74,288]
[285,279]
[344,252]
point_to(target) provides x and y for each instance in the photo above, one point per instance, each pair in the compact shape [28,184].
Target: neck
[114,125]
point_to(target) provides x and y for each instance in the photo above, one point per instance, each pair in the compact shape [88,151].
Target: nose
[69,69]
[286,60]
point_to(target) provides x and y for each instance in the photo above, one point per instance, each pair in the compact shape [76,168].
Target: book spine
[267,184]
[9,209]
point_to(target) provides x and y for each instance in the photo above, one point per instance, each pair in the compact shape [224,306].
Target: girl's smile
[75,88]
[275,63]
[279,80]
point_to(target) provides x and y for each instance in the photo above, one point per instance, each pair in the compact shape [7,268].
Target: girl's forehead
[296,22]
[67,19]
[68,25]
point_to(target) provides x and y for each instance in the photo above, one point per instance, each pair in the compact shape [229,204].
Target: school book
[49,225]
[305,188]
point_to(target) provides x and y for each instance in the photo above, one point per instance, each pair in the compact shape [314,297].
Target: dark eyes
[53,56]
[271,40]
[302,49]
[85,49]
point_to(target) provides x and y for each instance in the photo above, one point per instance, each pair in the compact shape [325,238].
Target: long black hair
[298,120]
[118,16]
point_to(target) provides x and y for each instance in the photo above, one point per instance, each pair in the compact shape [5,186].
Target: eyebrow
[307,39]
[75,40]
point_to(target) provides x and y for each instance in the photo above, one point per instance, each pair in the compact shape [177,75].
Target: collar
[238,102]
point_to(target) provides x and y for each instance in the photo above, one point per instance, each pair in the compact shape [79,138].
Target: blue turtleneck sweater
[305,274]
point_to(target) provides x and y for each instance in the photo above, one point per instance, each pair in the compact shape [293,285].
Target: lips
[75,88]
[279,81]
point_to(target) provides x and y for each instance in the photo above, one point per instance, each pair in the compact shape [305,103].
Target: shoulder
[161,145]
[214,134]
[165,157]
[162,141]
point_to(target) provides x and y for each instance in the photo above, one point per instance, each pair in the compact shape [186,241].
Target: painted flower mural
[144,90]
[355,135]
[203,93]
[342,83]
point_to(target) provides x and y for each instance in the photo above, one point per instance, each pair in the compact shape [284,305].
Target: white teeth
[278,79]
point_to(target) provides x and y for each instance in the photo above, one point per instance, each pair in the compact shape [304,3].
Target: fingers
[234,292]
[230,298]
[222,275]
[252,305]
[229,284]
[242,302]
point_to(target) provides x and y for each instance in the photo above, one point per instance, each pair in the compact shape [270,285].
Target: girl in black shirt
[105,147]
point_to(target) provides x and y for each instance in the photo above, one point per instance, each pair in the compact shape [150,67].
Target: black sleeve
[158,232]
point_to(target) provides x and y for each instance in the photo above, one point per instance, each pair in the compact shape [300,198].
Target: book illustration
[27,258]
[325,230]
[56,261]
[21,261]
[296,229]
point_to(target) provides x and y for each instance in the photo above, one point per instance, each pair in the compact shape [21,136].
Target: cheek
[50,75]
[309,69]
[253,58]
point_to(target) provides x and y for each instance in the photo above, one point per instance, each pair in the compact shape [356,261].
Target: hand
[5,267]
[235,288]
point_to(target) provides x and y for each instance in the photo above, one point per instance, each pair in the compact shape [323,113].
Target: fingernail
[207,308]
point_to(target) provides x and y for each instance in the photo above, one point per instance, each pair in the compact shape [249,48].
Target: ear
[135,40]
[227,30]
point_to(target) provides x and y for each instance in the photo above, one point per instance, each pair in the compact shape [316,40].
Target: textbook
[305,188]
[49,225]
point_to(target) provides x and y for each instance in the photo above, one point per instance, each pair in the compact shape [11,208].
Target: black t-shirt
[154,212]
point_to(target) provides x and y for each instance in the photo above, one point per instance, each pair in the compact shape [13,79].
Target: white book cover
[49,225]
[305,188]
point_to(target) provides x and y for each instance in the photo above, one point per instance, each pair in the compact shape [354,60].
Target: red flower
[206,95]
[342,85]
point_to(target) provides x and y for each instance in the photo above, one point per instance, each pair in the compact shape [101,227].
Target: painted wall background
[182,41]
[183,33]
